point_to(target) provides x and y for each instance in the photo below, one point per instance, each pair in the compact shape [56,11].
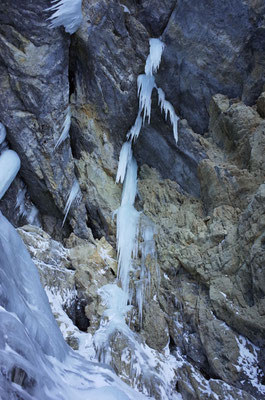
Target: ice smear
[65,129]
[125,157]
[20,201]
[2,133]
[67,13]
[139,361]
[9,167]
[74,191]
[115,299]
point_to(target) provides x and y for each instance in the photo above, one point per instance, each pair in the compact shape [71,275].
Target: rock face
[206,194]
[213,48]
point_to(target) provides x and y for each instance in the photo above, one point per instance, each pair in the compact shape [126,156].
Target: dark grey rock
[213,47]
[34,80]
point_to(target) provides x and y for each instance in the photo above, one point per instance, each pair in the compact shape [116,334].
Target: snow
[73,193]
[67,13]
[9,167]
[248,363]
[65,129]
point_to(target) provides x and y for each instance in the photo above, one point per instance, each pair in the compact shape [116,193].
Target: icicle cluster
[128,218]
[67,13]
[146,83]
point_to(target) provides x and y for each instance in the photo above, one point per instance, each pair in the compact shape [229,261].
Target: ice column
[128,218]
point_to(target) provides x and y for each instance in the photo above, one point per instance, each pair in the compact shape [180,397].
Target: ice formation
[125,156]
[168,109]
[73,193]
[65,129]
[9,167]
[2,133]
[35,361]
[67,13]
[146,84]
[30,212]
[20,201]
[128,218]
[154,58]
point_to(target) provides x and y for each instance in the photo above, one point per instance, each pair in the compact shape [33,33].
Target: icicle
[167,107]
[67,13]
[9,167]
[2,133]
[127,226]
[127,242]
[66,128]
[146,84]
[136,128]
[74,191]
[130,185]
[154,57]
[125,157]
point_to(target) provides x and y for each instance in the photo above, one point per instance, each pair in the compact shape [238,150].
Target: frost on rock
[67,13]
[73,194]
[9,167]
[65,129]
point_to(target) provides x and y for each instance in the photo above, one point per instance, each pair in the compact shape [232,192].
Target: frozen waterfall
[35,361]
